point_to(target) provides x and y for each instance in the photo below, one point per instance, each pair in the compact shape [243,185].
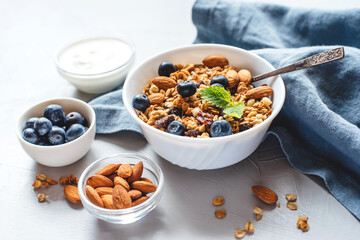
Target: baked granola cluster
[166,105]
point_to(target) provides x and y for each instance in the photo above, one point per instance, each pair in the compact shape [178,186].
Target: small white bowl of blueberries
[57,132]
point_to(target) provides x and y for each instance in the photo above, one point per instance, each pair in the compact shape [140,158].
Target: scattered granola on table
[291,206]
[302,223]
[220,213]
[203,100]
[291,197]
[240,233]
[249,227]
[42,197]
[258,212]
[218,201]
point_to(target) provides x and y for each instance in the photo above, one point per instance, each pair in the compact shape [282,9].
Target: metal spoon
[317,59]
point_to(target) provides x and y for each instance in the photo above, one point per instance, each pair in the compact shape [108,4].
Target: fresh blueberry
[44,141]
[42,126]
[220,79]
[56,135]
[56,114]
[176,127]
[75,131]
[72,118]
[220,128]
[29,135]
[30,123]
[141,102]
[186,88]
[166,68]
[218,84]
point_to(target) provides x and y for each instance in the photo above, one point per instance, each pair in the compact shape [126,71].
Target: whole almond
[143,186]
[104,190]
[145,179]
[265,194]
[99,181]
[121,198]
[164,82]
[120,181]
[108,201]
[72,194]
[108,170]
[156,98]
[215,60]
[135,194]
[259,92]
[125,170]
[137,172]
[244,76]
[112,176]
[93,196]
[233,78]
[139,201]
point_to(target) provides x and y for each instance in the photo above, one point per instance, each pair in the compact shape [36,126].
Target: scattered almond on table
[265,194]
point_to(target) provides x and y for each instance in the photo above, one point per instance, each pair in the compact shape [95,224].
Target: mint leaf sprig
[219,97]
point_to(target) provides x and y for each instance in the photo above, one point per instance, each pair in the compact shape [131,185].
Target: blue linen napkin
[318,127]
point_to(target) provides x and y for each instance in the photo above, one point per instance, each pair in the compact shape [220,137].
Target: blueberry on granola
[217,84]
[221,80]
[186,88]
[141,102]
[220,128]
[166,68]
[176,127]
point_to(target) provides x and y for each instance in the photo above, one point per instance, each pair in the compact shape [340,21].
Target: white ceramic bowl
[64,154]
[129,215]
[101,82]
[204,153]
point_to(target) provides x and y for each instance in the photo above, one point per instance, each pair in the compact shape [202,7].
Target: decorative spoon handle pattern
[317,59]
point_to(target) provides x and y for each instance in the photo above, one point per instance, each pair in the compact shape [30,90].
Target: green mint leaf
[235,109]
[216,95]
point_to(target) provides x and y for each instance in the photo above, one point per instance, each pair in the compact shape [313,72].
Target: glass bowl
[124,216]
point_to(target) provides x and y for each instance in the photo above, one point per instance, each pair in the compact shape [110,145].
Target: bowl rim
[137,208]
[117,36]
[22,116]
[156,131]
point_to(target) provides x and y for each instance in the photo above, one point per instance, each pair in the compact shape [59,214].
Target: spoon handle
[317,59]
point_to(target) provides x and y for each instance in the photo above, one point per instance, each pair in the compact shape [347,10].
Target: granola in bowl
[205,100]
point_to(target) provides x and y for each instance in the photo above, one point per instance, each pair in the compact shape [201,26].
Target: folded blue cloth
[318,127]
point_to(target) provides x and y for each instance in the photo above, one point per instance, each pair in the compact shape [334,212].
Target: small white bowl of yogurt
[96,64]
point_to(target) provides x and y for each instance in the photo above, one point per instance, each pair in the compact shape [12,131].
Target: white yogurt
[95,56]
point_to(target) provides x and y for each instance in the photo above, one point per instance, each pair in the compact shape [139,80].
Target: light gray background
[30,32]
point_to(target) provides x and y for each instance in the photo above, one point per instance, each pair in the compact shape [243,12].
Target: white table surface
[30,32]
